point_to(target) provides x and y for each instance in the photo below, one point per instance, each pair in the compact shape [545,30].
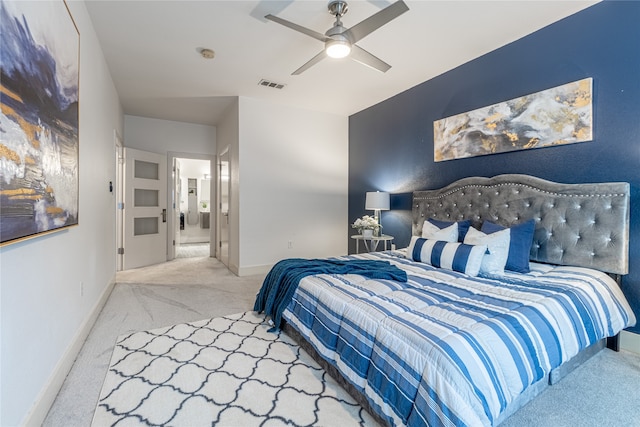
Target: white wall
[293,184]
[163,136]
[44,314]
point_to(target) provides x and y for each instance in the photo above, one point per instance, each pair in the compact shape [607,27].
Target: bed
[456,346]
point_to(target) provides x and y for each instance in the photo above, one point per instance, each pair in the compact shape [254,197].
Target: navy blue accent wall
[391,143]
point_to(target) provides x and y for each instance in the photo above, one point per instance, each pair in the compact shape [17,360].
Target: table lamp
[377,201]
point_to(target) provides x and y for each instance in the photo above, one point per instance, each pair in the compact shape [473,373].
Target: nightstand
[371,243]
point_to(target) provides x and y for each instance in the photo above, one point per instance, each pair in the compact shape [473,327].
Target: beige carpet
[193,250]
[180,291]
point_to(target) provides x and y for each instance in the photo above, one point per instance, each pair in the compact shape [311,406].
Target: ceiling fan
[340,42]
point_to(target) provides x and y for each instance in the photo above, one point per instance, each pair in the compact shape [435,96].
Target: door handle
[164,215]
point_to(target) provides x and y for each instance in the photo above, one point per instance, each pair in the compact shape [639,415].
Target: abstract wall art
[560,115]
[39,121]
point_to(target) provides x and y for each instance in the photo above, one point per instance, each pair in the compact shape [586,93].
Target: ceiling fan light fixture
[338,48]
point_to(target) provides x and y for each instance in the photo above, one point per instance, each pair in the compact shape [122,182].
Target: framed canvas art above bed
[556,116]
[39,120]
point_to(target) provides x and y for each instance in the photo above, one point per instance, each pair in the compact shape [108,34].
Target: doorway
[191,241]
[192,207]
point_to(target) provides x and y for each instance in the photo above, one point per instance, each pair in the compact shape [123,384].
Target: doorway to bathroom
[192,207]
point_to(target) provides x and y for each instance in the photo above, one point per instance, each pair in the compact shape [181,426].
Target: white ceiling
[151,48]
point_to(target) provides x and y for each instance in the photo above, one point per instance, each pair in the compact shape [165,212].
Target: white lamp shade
[377,200]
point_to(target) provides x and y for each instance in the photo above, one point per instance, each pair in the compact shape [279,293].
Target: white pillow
[447,234]
[497,245]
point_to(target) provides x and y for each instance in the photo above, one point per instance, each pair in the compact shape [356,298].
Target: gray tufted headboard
[585,225]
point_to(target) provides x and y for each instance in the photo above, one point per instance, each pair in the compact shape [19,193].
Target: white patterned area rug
[227,371]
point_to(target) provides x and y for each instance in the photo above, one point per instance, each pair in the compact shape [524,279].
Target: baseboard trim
[630,342]
[233,268]
[47,395]
[254,270]
[249,271]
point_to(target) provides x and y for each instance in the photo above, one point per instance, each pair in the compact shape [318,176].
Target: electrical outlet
[81,288]
[290,244]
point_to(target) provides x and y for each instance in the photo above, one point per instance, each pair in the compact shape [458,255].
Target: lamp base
[376,215]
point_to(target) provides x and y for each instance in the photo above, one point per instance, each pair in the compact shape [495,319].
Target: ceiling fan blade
[365,58]
[316,35]
[268,6]
[310,63]
[375,21]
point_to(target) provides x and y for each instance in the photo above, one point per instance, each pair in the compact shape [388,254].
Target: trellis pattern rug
[227,371]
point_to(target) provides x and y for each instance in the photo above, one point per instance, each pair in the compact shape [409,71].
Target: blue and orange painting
[39,65]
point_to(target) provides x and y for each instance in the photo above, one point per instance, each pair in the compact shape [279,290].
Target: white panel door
[224,183]
[145,208]
[177,196]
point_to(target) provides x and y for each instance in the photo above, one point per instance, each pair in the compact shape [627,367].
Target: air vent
[274,85]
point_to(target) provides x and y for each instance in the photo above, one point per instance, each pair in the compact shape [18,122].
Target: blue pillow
[463,226]
[520,245]
[454,256]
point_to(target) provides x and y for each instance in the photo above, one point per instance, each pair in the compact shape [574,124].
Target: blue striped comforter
[447,349]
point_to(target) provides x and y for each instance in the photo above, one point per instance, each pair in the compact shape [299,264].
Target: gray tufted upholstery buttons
[579,218]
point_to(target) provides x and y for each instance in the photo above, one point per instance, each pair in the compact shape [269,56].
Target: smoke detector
[206,53]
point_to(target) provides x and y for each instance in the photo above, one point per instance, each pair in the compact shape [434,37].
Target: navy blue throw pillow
[463,226]
[520,245]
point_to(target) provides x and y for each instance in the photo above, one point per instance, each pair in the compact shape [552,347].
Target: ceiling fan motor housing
[338,8]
